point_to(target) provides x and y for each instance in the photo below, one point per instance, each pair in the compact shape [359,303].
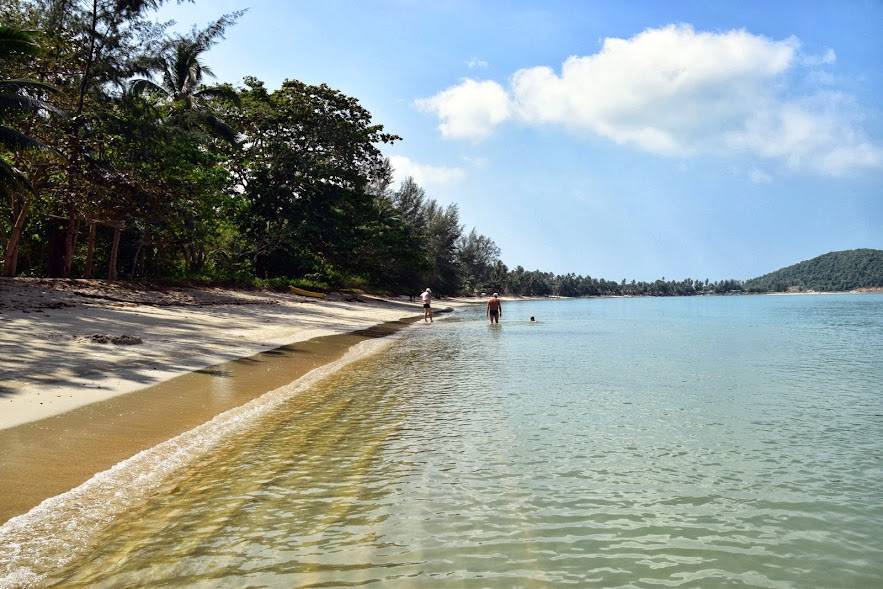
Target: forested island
[834,271]
[121,157]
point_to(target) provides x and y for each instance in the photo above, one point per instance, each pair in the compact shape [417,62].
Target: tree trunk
[70,242]
[135,260]
[90,251]
[56,244]
[10,259]
[114,251]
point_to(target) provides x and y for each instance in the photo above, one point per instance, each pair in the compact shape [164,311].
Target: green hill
[846,270]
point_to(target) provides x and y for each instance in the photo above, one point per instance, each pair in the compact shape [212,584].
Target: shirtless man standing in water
[495,309]
[426,297]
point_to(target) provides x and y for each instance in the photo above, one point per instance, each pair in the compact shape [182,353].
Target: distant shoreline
[824,292]
[480,299]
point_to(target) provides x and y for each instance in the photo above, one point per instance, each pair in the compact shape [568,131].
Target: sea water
[646,442]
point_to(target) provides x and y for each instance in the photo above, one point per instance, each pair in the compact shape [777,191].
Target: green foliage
[283,284]
[308,158]
[834,271]
[478,256]
[146,171]
[19,97]
[14,41]
[183,72]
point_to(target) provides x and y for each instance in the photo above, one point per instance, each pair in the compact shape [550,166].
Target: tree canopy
[122,157]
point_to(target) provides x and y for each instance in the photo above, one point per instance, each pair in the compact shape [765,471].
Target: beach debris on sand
[118,340]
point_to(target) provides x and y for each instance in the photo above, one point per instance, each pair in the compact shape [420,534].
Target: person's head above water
[531,318]
[496,295]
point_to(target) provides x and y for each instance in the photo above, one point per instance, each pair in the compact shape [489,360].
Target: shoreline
[43,459]
[72,408]
[55,336]
[61,527]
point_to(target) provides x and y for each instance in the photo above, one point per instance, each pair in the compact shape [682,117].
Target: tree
[18,97]
[497,280]
[477,255]
[443,230]
[182,75]
[92,47]
[309,156]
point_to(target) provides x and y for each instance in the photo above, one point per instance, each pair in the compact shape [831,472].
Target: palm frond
[224,92]
[16,41]
[213,33]
[11,178]
[22,104]
[181,68]
[146,65]
[141,86]
[217,127]
[17,141]
[21,84]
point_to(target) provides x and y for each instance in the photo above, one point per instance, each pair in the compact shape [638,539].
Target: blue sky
[701,139]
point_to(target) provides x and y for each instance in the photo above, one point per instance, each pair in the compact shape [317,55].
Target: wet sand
[43,458]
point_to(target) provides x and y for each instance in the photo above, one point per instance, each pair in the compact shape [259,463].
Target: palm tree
[182,76]
[18,97]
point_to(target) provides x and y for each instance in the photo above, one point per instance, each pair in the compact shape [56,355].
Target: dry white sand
[48,364]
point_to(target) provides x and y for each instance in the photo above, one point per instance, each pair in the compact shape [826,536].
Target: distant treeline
[834,271]
[519,281]
[120,157]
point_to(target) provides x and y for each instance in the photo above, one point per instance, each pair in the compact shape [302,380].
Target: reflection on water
[680,442]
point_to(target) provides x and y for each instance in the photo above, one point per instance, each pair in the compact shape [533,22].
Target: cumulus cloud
[469,110]
[424,174]
[664,90]
[677,92]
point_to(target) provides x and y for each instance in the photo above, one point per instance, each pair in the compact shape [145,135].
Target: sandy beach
[57,337]
[94,373]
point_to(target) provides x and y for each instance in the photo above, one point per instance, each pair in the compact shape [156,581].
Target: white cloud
[817,133]
[758,176]
[677,92]
[663,90]
[469,110]
[827,58]
[424,174]
[476,63]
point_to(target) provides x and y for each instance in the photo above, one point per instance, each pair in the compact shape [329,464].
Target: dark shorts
[425,305]
[494,313]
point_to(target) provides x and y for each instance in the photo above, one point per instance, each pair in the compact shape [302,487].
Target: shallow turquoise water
[689,442]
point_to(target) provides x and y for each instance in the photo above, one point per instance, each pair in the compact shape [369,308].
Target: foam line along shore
[60,527]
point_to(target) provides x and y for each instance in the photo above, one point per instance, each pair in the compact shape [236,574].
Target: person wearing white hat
[495,308]
[426,297]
